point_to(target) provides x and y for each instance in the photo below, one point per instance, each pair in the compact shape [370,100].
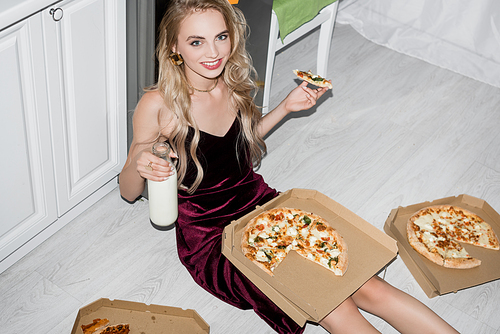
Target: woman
[202,105]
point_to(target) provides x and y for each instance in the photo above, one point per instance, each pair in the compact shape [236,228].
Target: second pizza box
[434,279]
[301,288]
[142,318]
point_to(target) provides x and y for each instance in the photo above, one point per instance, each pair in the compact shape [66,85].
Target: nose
[212,51]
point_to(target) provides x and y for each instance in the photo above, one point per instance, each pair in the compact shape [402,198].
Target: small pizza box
[142,318]
[301,288]
[437,280]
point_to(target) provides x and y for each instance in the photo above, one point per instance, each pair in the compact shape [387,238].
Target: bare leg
[345,319]
[399,309]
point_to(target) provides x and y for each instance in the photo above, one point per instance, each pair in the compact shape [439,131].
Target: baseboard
[57,225]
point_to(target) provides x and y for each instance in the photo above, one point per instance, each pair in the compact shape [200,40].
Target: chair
[325,19]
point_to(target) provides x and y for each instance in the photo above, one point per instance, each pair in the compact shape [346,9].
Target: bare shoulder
[152,116]
[150,105]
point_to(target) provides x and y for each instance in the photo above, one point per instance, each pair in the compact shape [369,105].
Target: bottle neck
[162,150]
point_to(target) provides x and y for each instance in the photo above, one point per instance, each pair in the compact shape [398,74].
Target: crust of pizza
[461,263]
[343,262]
[443,226]
[420,247]
[268,237]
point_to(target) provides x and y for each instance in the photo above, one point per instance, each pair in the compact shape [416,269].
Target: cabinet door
[85,52]
[27,196]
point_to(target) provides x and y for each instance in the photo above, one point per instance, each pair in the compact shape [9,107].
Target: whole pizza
[436,233]
[268,237]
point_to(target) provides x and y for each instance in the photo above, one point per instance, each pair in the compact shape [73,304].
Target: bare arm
[301,98]
[146,127]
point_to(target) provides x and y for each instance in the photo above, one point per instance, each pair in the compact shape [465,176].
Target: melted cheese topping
[261,256]
[457,254]
[291,231]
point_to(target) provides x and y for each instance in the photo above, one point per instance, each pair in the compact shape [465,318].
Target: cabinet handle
[57,14]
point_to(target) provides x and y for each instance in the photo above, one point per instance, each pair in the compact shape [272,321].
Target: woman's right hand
[153,168]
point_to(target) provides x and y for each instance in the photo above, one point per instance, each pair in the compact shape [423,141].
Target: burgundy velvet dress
[228,191]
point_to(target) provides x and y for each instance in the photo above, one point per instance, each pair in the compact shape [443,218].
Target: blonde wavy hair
[238,75]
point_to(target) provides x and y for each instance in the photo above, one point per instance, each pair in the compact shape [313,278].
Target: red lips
[212,65]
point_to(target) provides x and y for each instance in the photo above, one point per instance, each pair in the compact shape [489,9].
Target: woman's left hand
[302,97]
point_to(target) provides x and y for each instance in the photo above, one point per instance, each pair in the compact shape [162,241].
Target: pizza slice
[115,329]
[485,236]
[327,248]
[262,240]
[101,326]
[313,79]
[95,326]
[477,233]
[457,257]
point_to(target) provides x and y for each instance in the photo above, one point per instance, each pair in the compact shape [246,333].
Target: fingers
[321,91]
[313,95]
[303,97]
[303,84]
[153,168]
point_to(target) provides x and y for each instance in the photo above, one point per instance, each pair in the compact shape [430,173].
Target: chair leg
[325,38]
[271,54]
[324,43]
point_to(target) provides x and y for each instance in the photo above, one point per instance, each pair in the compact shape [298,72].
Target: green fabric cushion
[294,13]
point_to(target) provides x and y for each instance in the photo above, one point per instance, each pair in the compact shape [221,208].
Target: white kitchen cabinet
[63,130]
[27,198]
[85,57]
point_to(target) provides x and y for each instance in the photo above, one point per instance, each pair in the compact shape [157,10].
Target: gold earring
[176,58]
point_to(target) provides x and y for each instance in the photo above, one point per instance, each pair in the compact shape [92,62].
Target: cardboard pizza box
[301,288]
[434,279]
[142,318]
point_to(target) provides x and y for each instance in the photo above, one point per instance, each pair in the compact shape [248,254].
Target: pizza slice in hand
[313,79]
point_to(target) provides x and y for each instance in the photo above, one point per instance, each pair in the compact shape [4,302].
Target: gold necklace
[207,90]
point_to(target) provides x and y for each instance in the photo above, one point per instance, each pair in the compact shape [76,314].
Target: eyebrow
[201,37]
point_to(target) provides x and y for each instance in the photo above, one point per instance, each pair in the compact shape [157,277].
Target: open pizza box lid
[142,318]
[432,278]
[301,288]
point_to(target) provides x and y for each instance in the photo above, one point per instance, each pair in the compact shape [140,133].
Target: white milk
[162,195]
[163,201]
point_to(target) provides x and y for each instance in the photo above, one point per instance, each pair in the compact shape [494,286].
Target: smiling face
[204,43]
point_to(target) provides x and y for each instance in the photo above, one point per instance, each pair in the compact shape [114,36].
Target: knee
[344,313]
[374,291]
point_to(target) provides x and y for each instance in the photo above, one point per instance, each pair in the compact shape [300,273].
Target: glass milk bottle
[162,195]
